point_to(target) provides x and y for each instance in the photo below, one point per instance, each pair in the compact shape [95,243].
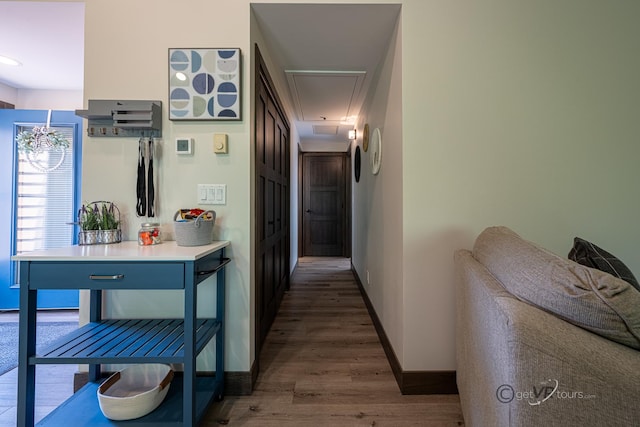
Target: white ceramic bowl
[135,391]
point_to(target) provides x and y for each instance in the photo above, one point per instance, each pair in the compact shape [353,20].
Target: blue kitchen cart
[123,341]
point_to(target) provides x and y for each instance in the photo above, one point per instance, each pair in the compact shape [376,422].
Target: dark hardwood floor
[321,365]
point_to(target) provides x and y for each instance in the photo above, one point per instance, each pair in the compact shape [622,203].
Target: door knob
[308,210]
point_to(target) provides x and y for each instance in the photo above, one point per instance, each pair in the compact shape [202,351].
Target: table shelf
[84,410]
[127,341]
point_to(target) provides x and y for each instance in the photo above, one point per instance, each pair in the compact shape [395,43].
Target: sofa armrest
[481,349]
[597,379]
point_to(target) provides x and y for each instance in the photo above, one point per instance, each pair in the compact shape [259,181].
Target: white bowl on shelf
[135,391]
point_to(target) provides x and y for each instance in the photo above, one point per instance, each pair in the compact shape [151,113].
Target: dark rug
[46,333]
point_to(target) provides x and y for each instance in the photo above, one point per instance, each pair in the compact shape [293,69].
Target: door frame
[347,218]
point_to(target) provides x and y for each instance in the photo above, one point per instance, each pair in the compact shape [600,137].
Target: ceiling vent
[326,95]
[325,130]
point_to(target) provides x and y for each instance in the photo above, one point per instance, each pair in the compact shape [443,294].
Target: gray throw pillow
[583,296]
[590,255]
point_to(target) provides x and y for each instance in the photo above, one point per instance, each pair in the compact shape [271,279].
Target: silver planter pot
[88,237]
[97,237]
[110,236]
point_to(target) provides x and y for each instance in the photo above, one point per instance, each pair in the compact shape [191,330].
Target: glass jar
[149,234]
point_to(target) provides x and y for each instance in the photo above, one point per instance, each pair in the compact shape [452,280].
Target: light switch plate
[220,145]
[212,194]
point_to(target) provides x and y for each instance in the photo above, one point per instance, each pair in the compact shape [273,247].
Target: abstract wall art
[204,84]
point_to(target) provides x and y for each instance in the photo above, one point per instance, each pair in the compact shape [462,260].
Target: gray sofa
[542,340]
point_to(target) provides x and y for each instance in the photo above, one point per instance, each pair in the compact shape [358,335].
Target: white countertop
[124,251]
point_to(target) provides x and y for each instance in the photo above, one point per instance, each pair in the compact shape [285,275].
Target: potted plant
[89,220]
[110,223]
[99,223]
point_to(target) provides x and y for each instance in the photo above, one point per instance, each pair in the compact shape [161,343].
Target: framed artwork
[205,84]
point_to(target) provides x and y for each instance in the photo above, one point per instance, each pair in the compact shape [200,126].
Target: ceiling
[48,39]
[328,53]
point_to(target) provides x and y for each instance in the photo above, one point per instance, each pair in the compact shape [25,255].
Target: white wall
[126,58]
[129,78]
[521,114]
[377,208]
[32,99]
[8,94]
[514,114]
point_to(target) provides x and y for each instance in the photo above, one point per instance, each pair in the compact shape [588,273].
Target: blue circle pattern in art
[203,83]
[211,90]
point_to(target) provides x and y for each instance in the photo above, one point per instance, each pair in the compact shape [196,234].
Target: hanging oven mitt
[141,193]
[150,187]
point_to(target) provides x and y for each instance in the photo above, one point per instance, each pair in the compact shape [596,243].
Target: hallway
[323,365]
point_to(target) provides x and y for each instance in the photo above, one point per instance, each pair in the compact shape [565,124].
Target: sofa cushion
[590,255]
[583,296]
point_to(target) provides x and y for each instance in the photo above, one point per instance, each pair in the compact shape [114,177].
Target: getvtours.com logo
[538,394]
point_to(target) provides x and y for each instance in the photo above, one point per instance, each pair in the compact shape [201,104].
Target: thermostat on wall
[184,146]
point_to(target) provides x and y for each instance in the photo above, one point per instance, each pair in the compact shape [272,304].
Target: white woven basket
[135,391]
[194,232]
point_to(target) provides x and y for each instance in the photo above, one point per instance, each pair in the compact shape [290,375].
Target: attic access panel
[326,95]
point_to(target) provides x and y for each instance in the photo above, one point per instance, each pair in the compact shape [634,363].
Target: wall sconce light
[352,134]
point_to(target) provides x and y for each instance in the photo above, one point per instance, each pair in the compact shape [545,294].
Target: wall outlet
[368,282]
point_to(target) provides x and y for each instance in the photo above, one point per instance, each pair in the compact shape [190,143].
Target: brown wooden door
[272,200]
[324,180]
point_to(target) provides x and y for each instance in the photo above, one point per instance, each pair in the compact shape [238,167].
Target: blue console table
[107,341]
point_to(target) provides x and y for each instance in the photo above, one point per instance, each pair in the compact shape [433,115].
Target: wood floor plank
[322,364]
[259,412]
